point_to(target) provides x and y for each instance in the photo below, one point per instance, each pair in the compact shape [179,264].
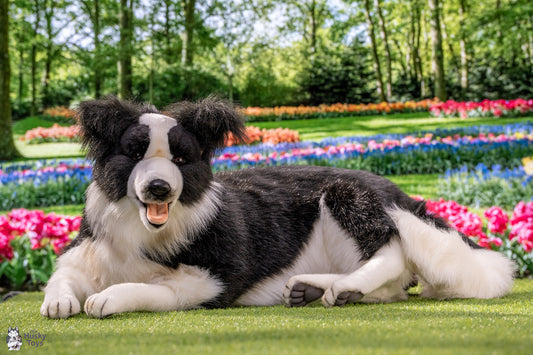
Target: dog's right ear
[104,121]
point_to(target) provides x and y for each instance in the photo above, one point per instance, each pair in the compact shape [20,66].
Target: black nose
[159,188]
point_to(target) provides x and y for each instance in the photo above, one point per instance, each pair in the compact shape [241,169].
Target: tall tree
[307,19]
[92,9]
[437,54]
[463,45]
[125,83]
[189,9]
[385,39]
[37,9]
[8,151]
[375,56]
[52,50]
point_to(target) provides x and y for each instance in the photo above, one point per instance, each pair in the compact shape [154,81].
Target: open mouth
[156,213]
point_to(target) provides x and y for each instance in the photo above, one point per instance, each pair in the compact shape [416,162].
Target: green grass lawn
[470,326]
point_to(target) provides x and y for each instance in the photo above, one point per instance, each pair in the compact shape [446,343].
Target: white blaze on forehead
[159,127]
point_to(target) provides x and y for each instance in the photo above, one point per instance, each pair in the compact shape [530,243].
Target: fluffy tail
[447,266]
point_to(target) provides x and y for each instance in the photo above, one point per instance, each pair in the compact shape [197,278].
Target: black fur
[359,211]
[210,120]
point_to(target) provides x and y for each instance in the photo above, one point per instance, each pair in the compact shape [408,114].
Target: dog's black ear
[210,120]
[104,121]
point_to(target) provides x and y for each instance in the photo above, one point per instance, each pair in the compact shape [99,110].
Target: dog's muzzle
[157,213]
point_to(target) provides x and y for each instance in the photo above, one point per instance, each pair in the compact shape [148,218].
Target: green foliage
[340,77]
[472,191]
[29,268]
[177,83]
[61,191]
[265,53]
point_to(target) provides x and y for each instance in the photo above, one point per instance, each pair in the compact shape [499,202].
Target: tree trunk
[37,12]
[464,49]
[453,58]
[125,49]
[97,51]
[21,71]
[377,66]
[187,56]
[314,25]
[384,37]
[437,59]
[45,82]
[7,146]
[167,51]
[417,58]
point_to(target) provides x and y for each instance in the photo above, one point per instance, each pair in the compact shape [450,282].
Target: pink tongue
[157,214]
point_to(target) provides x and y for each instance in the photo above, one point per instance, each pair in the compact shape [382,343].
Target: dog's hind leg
[371,267]
[380,279]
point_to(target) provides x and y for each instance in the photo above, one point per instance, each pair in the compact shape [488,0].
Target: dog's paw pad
[302,294]
[330,300]
[348,297]
[62,307]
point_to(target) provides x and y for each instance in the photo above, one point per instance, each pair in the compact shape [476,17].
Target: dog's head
[151,158]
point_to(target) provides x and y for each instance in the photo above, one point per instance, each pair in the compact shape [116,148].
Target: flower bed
[485,108]
[336,110]
[29,244]
[410,155]
[268,136]
[56,133]
[484,186]
[59,111]
[513,236]
[44,183]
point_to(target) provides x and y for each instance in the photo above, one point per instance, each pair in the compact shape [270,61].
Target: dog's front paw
[102,304]
[60,307]
[339,296]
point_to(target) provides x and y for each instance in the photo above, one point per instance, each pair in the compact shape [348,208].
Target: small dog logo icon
[13,339]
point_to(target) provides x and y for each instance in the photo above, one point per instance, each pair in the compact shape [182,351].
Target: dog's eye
[178,161]
[137,156]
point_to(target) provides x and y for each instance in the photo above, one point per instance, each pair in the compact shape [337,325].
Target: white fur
[447,267]
[159,127]
[183,288]
[129,283]
[381,279]
[115,257]
[131,234]
[330,250]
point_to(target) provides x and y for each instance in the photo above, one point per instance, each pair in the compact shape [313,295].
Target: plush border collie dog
[160,232]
